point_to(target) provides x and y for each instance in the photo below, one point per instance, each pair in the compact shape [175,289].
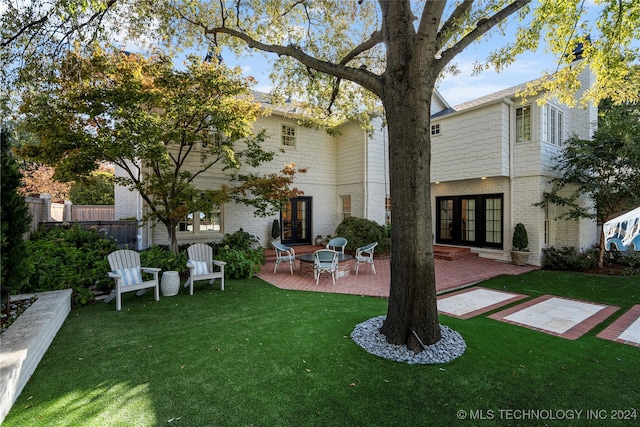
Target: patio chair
[364,254]
[338,244]
[202,266]
[284,254]
[127,272]
[325,261]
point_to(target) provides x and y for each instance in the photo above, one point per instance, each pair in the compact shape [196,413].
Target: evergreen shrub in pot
[520,245]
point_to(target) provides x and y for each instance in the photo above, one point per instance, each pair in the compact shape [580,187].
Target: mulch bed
[11,312]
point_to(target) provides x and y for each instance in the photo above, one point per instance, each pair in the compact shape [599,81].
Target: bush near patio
[361,231]
[242,253]
[568,258]
[70,257]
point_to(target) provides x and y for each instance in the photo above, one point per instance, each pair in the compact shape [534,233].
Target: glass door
[296,221]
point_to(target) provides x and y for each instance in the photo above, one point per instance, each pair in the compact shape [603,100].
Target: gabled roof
[487,99]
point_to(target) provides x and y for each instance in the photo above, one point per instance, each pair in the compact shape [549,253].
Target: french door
[470,220]
[296,221]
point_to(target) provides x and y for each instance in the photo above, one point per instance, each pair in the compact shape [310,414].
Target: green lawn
[255,355]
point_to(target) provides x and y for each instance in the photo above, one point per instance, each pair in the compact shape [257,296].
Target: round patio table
[306,264]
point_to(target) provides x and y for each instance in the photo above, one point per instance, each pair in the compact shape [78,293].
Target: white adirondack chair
[127,272]
[202,266]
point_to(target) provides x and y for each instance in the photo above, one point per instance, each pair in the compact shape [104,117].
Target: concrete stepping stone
[626,329]
[563,317]
[475,301]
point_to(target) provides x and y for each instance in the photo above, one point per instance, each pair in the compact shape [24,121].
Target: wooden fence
[38,211]
[93,212]
[49,214]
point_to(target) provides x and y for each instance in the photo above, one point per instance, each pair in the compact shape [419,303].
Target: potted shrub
[520,245]
[275,230]
[319,240]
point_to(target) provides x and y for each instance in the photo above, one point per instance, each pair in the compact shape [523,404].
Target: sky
[455,89]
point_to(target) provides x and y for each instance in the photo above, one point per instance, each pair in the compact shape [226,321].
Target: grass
[255,355]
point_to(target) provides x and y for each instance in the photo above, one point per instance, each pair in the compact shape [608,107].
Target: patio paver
[450,275]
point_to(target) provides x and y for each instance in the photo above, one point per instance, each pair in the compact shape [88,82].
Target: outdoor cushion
[130,276]
[200,267]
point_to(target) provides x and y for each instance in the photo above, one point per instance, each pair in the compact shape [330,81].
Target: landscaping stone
[367,335]
[27,340]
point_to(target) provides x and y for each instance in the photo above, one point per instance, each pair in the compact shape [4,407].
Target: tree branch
[363,77]
[482,27]
[461,10]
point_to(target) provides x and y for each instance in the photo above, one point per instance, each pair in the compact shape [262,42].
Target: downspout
[365,173]
[148,224]
[512,191]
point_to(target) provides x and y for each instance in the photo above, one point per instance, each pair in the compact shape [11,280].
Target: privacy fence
[44,213]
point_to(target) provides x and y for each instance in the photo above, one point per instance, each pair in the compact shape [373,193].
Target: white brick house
[492,159]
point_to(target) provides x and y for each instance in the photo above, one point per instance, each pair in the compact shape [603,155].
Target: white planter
[170,283]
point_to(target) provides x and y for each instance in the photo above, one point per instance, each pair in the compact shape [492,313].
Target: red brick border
[613,331]
[574,333]
[516,297]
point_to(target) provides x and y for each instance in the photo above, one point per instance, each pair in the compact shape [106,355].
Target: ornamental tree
[163,127]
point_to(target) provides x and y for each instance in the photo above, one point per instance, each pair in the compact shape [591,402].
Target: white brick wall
[473,143]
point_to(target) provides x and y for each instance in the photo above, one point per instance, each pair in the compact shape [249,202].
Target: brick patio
[450,275]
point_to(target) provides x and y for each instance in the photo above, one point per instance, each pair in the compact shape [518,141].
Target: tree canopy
[165,128]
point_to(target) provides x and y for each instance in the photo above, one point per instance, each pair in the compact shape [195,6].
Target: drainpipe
[509,102]
[365,173]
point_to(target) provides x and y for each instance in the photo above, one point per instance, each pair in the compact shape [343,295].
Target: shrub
[161,257]
[275,229]
[569,259]
[520,241]
[242,253]
[70,257]
[361,231]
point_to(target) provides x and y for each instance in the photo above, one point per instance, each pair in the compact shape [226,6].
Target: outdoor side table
[170,283]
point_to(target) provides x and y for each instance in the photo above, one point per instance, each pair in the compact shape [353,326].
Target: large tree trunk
[412,316]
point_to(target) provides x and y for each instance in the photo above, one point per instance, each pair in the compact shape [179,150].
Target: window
[552,126]
[387,211]
[202,222]
[523,124]
[346,206]
[288,136]
[470,220]
[212,138]
[548,225]
[493,220]
[435,129]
